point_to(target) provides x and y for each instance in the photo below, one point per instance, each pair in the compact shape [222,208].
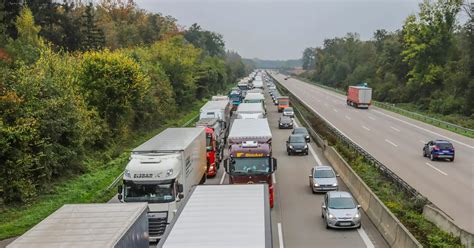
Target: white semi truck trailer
[162,171]
[222,216]
[90,225]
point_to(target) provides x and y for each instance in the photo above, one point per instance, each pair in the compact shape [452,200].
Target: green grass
[463,121]
[86,188]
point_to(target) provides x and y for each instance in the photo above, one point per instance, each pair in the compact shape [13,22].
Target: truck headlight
[307,136]
[169,172]
[127,174]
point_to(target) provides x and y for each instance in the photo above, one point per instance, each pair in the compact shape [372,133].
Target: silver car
[322,179]
[339,210]
[289,112]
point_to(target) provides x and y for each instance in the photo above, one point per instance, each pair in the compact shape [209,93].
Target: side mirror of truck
[226,165]
[179,188]
[180,195]
[119,189]
[274,162]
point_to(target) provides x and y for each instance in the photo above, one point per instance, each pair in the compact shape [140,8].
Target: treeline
[76,80]
[428,63]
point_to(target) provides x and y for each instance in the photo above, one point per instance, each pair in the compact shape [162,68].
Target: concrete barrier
[445,223]
[393,231]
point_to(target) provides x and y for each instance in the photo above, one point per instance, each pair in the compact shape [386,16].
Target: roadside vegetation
[407,208]
[80,84]
[427,66]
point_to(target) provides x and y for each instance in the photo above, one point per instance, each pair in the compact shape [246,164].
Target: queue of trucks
[165,170]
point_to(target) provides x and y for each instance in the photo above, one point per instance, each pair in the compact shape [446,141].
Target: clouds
[282,29]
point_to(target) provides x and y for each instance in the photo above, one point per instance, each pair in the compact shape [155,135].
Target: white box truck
[90,225]
[250,111]
[162,171]
[222,216]
[217,109]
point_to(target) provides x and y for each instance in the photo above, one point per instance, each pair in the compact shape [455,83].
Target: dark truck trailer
[222,216]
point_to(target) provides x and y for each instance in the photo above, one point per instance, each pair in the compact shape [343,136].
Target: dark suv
[439,149]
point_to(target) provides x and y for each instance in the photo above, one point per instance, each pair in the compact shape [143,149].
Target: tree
[28,44]
[428,42]
[212,43]
[92,37]
[309,58]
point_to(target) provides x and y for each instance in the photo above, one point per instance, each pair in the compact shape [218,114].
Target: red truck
[212,146]
[359,96]
[250,154]
[283,102]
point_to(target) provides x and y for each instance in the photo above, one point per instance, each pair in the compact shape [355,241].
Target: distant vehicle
[283,102]
[439,149]
[286,78]
[322,179]
[250,111]
[289,112]
[235,98]
[222,216]
[90,225]
[296,144]
[359,96]
[302,131]
[254,98]
[285,122]
[339,210]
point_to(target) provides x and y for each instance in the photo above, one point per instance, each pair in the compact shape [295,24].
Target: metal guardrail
[348,142]
[117,179]
[393,108]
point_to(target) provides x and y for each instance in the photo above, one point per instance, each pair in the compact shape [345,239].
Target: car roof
[442,141]
[288,108]
[338,194]
[296,135]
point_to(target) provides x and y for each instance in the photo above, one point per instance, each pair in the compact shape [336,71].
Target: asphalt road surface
[397,142]
[296,216]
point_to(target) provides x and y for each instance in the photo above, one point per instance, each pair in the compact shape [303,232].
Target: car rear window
[444,146]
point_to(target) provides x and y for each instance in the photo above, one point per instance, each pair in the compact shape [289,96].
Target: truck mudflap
[270,191]
[157,222]
[212,170]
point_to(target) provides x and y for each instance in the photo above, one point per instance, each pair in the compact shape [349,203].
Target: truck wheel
[451,159]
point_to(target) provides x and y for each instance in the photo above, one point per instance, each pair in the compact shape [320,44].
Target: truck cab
[235,98]
[283,102]
[153,179]
[249,163]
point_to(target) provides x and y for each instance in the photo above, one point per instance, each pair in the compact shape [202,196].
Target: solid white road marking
[315,155]
[335,110]
[280,236]
[347,117]
[398,130]
[366,128]
[390,142]
[365,238]
[422,141]
[372,118]
[222,178]
[424,129]
[440,171]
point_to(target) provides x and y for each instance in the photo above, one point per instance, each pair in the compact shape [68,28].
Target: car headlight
[357,216]
[331,216]
[307,136]
[291,147]
[334,184]
[305,146]
[316,185]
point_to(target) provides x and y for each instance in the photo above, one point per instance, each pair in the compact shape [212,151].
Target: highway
[296,216]
[397,142]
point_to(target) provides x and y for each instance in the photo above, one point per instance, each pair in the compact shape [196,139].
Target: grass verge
[409,110]
[406,208]
[86,188]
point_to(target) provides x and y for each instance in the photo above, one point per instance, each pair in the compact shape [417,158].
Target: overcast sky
[282,29]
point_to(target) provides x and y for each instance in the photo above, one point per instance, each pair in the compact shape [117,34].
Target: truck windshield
[250,165]
[283,102]
[208,142]
[159,192]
